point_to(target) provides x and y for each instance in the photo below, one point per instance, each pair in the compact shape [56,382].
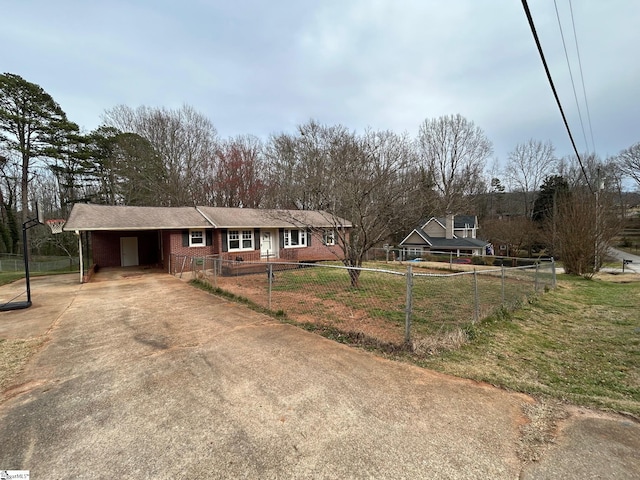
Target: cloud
[262,67]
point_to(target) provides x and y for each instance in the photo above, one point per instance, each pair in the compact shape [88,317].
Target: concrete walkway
[143,376]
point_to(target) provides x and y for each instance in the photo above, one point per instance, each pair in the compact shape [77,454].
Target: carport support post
[80,255]
[407,311]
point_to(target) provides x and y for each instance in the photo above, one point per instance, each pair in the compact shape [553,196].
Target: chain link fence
[414,303]
[15,263]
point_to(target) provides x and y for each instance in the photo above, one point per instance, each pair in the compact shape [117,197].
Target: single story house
[116,236]
[455,235]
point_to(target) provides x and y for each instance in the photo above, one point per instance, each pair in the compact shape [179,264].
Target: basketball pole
[25,226]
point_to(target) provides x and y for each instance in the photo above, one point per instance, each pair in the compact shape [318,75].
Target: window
[247,239]
[240,240]
[196,238]
[295,238]
[329,237]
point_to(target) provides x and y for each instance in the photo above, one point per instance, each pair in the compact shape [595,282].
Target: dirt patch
[541,429]
[14,355]
[321,312]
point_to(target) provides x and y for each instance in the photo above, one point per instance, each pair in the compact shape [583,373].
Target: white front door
[128,251]
[268,244]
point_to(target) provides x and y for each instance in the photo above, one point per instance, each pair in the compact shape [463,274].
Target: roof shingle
[108,217]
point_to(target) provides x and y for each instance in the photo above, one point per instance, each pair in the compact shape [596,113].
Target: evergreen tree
[33,126]
[554,189]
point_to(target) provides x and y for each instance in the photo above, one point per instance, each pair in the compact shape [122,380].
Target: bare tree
[517,233]
[629,162]
[359,178]
[300,166]
[455,152]
[183,139]
[236,179]
[528,165]
[585,229]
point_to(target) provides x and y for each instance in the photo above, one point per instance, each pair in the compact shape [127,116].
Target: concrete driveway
[143,376]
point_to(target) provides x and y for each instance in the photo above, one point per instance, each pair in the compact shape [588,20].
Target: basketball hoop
[56,224]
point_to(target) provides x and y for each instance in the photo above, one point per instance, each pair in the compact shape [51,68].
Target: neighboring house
[117,236]
[450,234]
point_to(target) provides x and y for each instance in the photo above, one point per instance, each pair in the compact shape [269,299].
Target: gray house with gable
[455,235]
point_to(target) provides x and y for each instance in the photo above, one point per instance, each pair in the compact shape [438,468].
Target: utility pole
[599,186]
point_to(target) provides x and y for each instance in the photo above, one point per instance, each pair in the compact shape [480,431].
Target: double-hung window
[196,238]
[295,238]
[329,237]
[240,240]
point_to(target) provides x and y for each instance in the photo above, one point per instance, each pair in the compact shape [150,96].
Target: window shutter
[309,237]
[225,244]
[281,234]
[256,239]
[209,237]
[185,238]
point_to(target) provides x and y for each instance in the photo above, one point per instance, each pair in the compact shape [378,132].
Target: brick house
[120,236]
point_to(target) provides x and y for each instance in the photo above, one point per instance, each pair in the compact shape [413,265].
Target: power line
[584,90]
[553,89]
[573,84]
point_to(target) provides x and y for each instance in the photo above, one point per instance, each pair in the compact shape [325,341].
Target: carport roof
[87,217]
[107,217]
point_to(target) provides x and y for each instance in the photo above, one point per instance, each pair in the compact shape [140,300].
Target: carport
[130,236]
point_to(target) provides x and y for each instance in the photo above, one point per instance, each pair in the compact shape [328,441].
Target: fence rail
[391,303]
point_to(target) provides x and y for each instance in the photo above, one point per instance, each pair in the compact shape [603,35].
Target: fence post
[270,275]
[407,311]
[536,277]
[553,272]
[215,272]
[502,282]
[476,310]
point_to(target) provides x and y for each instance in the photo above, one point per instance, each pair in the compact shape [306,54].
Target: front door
[267,245]
[128,251]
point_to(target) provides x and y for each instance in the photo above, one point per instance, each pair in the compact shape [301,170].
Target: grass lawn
[579,343]
[10,277]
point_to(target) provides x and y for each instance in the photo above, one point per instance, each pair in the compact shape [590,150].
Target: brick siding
[106,248]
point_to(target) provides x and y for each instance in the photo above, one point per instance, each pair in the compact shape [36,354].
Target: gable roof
[224,217]
[459,221]
[87,217]
[439,242]
[108,217]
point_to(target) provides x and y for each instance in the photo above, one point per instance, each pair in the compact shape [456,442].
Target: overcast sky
[262,67]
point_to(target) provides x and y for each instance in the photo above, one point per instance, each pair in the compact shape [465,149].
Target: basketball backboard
[39,214]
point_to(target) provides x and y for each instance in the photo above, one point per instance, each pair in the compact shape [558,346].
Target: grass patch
[580,343]
[10,277]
